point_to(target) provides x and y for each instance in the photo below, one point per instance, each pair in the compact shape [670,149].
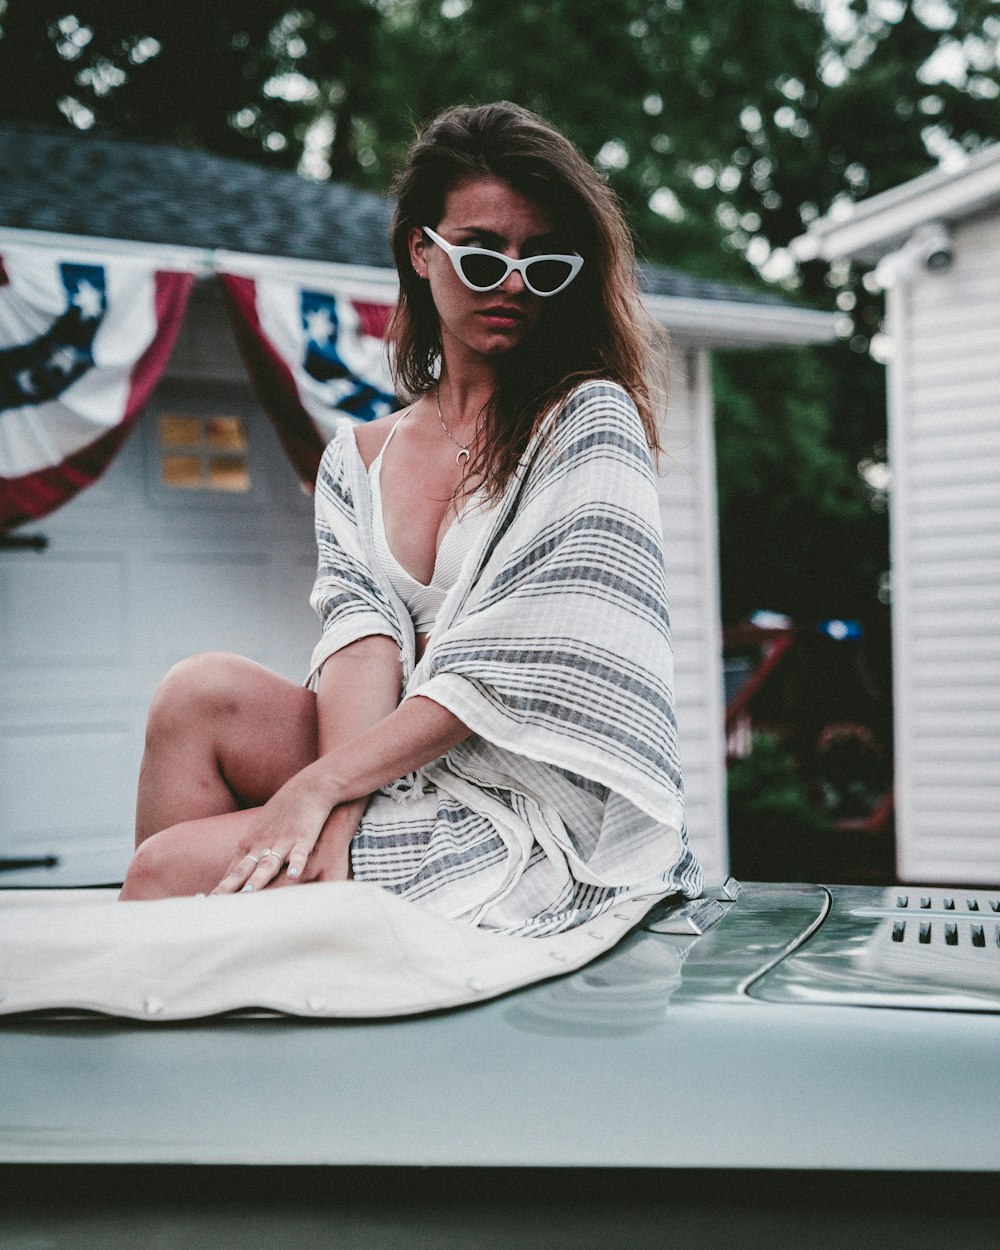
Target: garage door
[198,537]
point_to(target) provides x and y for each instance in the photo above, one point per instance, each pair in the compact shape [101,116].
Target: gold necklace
[464,454]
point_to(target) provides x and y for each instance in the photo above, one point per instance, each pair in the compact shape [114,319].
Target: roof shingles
[101,186]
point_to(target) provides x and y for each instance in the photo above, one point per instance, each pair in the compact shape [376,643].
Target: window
[203,453]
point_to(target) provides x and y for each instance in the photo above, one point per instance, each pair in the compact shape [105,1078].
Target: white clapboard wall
[135,577]
[690,528]
[944,383]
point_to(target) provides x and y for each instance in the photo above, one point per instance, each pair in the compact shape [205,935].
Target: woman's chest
[420,502]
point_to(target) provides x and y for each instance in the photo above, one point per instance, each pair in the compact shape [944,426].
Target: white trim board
[872,228]
[702,322]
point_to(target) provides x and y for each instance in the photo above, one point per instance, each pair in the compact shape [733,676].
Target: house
[936,243]
[198,535]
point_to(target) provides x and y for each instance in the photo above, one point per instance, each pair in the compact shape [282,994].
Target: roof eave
[376,281]
[876,227]
[705,322]
[732,323]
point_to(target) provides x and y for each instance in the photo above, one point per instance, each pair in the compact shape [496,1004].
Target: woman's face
[484,212]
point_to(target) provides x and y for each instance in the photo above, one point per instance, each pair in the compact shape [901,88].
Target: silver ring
[253,858]
[278,857]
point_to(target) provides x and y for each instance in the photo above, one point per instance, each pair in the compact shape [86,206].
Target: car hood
[895,948]
[727,1033]
[844,945]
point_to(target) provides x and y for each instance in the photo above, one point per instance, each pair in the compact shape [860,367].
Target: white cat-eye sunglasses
[483,270]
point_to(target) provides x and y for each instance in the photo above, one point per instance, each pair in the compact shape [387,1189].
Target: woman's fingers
[280,843]
[284,832]
[298,857]
[257,868]
[269,865]
[238,873]
[252,870]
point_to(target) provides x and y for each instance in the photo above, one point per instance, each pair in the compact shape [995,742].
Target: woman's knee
[186,858]
[151,869]
[199,692]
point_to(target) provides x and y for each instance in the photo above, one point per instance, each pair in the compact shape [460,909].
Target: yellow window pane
[178,431]
[228,473]
[181,472]
[225,434]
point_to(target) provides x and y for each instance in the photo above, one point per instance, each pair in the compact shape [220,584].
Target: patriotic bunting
[315,355]
[82,345]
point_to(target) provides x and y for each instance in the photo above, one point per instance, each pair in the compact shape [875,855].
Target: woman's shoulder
[598,423]
[596,400]
[342,454]
[359,438]
[370,436]
[601,389]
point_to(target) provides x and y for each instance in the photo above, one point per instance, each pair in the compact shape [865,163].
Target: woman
[488,727]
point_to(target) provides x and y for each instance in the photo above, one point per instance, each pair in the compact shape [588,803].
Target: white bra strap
[376,465]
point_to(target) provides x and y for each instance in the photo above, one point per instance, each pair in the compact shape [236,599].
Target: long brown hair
[596,328]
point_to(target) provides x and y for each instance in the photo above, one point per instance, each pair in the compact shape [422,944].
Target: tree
[725,128]
[736,126]
[239,79]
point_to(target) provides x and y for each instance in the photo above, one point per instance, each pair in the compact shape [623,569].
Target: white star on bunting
[319,325]
[89,301]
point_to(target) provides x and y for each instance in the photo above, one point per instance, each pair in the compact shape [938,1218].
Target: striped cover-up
[554,648]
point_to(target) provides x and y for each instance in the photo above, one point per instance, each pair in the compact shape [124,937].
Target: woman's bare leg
[223,734]
[185,859]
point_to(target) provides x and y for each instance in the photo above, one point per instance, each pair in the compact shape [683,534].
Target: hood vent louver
[952,932]
[933,950]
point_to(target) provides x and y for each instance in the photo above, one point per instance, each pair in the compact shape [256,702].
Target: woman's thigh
[260,727]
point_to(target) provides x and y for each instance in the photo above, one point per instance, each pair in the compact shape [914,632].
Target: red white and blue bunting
[84,341]
[82,344]
[315,354]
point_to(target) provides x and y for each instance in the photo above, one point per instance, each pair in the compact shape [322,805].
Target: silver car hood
[922,948]
[842,945]
[749,1044]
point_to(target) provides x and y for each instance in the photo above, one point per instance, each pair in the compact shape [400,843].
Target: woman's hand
[284,835]
[288,827]
[331,856]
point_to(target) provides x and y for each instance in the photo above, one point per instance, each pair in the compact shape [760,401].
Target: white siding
[690,527]
[945,453]
[134,579]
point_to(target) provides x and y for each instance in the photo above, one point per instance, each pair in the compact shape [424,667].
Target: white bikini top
[424,601]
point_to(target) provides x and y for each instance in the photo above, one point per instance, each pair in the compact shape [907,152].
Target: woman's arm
[357,687]
[416,733]
[317,811]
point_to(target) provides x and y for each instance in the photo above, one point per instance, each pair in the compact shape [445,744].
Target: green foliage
[767,792]
[723,127]
[234,78]
[775,831]
[798,533]
[783,809]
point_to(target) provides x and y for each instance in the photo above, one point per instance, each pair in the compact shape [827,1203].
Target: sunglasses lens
[483,271]
[548,275]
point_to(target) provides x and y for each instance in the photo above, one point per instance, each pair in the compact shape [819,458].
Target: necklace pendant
[463,456]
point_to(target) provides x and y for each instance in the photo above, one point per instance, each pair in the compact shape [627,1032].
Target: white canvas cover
[338,949]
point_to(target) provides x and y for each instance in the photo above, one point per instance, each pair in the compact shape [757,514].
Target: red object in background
[799,688]
[773,645]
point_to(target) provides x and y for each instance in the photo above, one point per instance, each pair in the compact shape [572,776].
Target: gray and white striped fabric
[554,648]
